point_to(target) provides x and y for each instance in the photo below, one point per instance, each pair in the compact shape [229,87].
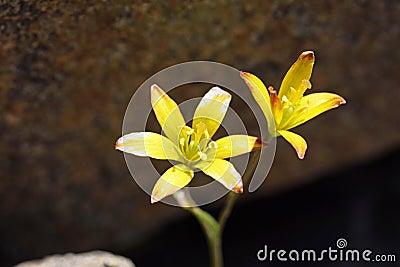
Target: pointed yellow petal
[297,78]
[167,112]
[148,144]
[172,180]
[212,109]
[261,96]
[224,172]
[312,105]
[296,141]
[235,145]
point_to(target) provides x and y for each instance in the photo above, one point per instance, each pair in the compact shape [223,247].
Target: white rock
[87,259]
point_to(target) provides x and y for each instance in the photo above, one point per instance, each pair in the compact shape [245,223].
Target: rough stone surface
[69,68]
[88,259]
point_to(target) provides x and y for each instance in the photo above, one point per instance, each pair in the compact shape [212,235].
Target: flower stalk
[212,228]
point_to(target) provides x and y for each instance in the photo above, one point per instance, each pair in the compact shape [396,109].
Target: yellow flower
[290,108]
[191,146]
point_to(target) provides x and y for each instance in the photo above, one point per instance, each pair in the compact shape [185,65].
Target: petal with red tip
[172,180]
[298,142]
[235,145]
[225,173]
[298,77]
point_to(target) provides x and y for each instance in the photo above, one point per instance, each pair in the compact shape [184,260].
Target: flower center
[195,144]
[291,104]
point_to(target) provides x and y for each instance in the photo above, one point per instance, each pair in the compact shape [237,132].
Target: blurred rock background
[69,68]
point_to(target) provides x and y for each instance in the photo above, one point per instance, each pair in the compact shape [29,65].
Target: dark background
[69,68]
[347,204]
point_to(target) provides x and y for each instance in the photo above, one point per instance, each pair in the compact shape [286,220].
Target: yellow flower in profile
[192,147]
[290,108]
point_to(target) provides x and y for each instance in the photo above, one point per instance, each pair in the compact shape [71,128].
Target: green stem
[213,233]
[210,227]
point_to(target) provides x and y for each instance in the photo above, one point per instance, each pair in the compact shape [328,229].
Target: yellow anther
[301,110]
[286,102]
[187,130]
[182,141]
[206,134]
[306,83]
[190,132]
[201,128]
[202,155]
[212,145]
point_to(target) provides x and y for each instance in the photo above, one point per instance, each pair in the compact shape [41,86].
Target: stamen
[306,84]
[212,145]
[202,155]
[206,134]
[301,110]
[185,128]
[271,90]
[201,128]
[182,141]
[190,132]
[286,103]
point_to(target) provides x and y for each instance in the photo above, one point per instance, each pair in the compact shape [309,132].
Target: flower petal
[235,145]
[212,109]
[296,80]
[148,144]
[276,105]
[296,141]
[167,112]
[225,173]
[312,105]
[261,96]
[172,180]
